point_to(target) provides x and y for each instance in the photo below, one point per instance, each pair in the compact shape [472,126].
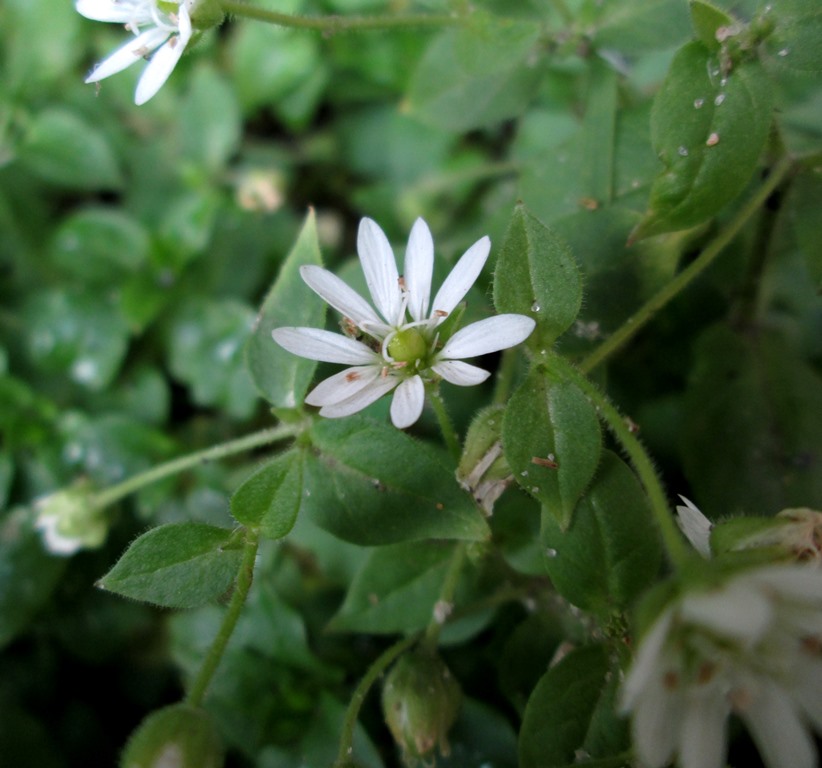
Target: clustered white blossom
[398,345]
[68,521]
[752,647]
[162,30]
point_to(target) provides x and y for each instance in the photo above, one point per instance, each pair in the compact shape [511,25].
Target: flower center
[408,346]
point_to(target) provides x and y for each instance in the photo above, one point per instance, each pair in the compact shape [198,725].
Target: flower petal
[462,277]
[342,385]
[342,297]
[702,731]
[126,55]
[738,611]
[380,270]
[489,335]
[696,527]
[407,403]
[459,373]
[108,10]
[316,344]
[419,267]
[163,62]
[776,728]
[362,399]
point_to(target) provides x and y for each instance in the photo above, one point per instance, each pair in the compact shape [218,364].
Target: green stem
[446,597]
[382,662]
[221,451]
[449,434]
[627,330]
[331,24]
[245,576]
[505,376]
[678,550]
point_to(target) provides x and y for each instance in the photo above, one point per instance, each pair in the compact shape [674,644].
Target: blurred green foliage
[136,245]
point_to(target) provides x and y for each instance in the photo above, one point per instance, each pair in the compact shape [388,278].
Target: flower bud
[69,520]
[206,14]
[794,533]
[420,702]
[179,735]
[483,470]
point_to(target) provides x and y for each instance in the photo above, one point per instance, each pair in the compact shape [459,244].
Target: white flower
[161,26]
[400,346]
[696,527]
[69,521]
[752,647]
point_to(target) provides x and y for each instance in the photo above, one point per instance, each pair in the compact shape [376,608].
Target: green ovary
[408,346]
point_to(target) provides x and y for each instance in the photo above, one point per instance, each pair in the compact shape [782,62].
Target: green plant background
[136,246]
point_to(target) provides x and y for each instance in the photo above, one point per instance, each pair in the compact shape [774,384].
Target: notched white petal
[317,344]
[380,269]
[419,268]
[407,403]
[342,385]
[163,61]
[462,277]
[128,54]
[489,335]
[696,527]
[341,296]
[362,399]
[459,373]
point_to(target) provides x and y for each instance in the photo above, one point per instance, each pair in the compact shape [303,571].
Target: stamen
[353,376]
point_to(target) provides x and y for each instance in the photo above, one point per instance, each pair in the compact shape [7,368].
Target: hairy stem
[638,320]
[245,576]
[449,434]
[332,24]
[675,545]
[215,452]
[382,663]
[445,600]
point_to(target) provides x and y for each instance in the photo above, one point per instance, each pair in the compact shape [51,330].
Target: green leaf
[206,345]
[753,426]
[100,245]
[180,565]
[395,589]
[78,334]
[372,484]
[708,129]
[61,147]
[550,421]
[209,120]
[706,19]
[28,574]
[635,26]
[476,76]
[561,708]
[610,552]
[283,378]
[796,41]
[270,498]
[536,275]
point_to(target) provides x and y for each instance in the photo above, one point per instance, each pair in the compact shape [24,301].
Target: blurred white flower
[69,521]
[162,30]
[752,647]
[398,345]
[696,527]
